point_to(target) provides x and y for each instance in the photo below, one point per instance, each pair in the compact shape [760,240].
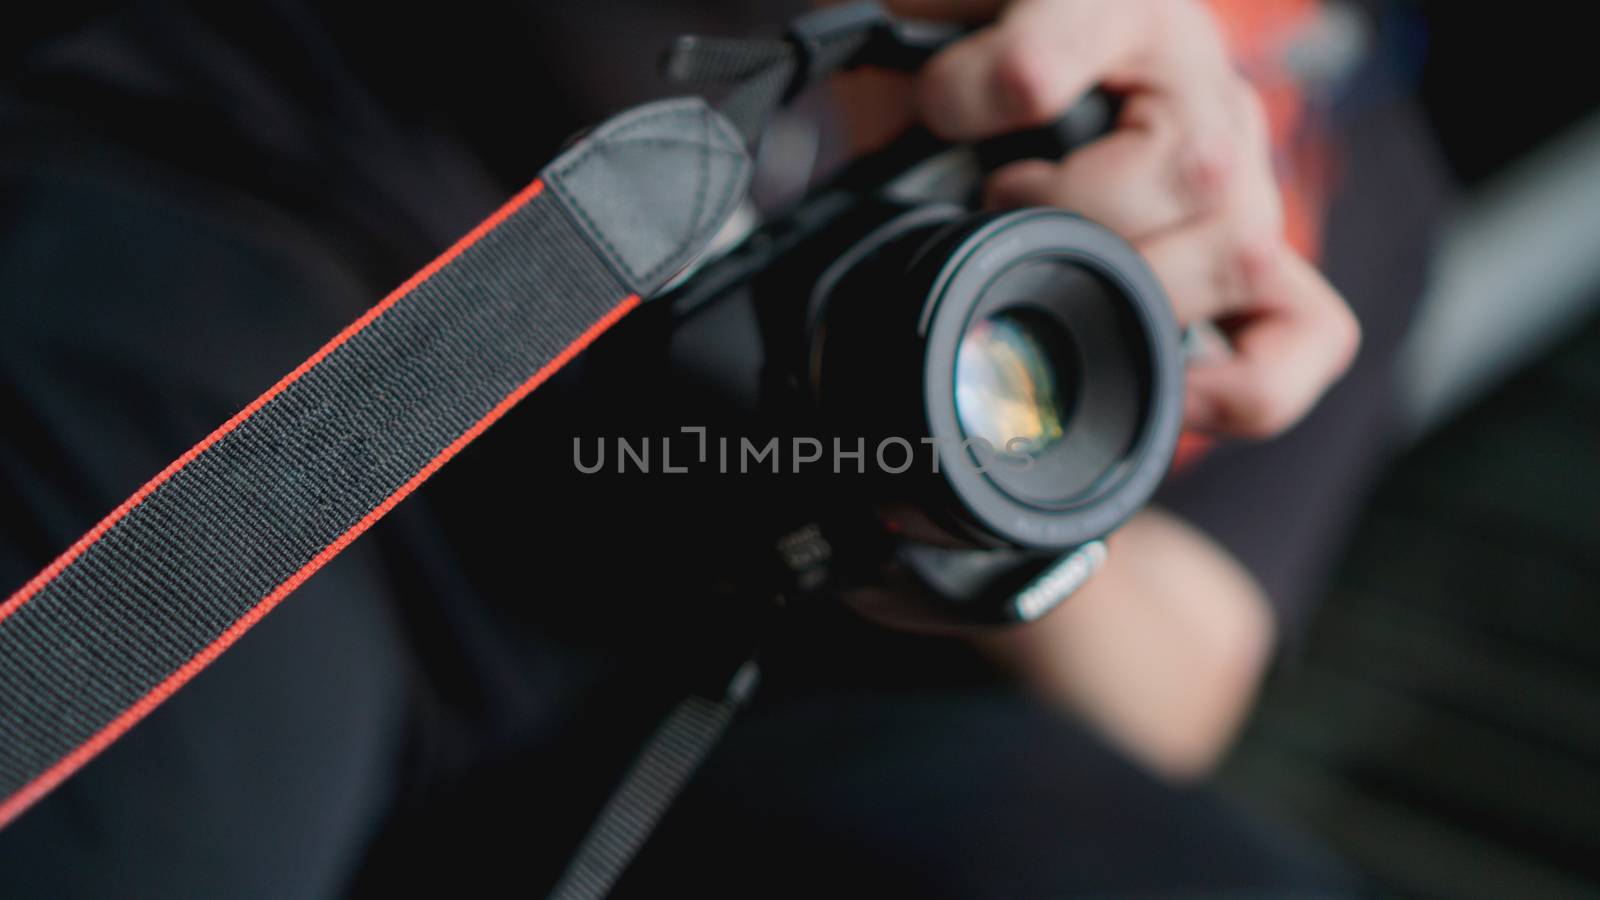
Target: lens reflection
[1015,379]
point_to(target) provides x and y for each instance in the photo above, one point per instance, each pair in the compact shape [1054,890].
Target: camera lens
[1040,325]
[1031,326]
[1017,377]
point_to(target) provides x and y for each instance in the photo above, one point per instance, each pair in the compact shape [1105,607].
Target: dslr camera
[934,411]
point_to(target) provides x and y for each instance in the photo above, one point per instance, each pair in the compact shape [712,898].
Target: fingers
[1217,268]
[1166,164]
[1042,55]
[1029,66]
[1290,333]
[1296,342]
[1123,181]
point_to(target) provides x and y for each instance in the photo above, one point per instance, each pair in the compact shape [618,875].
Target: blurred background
[1441,725]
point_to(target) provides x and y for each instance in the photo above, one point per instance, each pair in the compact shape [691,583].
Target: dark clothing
[193,200]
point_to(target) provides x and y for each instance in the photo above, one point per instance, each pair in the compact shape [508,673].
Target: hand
[1186,176]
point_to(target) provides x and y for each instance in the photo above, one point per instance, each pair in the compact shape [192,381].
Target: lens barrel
[1032,351]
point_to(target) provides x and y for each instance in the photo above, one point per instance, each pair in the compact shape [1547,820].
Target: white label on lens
[1058,582]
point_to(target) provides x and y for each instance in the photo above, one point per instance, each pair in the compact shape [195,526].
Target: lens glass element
[1016,378]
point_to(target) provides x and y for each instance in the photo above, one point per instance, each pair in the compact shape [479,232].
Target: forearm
[1161,651]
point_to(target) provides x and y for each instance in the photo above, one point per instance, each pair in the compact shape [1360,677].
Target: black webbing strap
[178,572]
[661,770]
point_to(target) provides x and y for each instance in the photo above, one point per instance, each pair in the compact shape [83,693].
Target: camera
[947,409]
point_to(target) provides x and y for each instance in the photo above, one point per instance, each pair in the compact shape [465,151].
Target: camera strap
[671,757]
[179,571]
